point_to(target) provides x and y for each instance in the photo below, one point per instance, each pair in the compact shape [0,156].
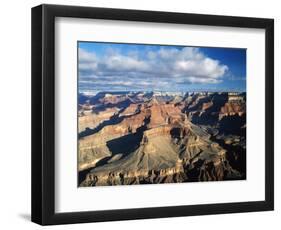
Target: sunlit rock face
[145,138]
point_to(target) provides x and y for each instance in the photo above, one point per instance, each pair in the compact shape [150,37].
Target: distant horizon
[147,91]
[137,67]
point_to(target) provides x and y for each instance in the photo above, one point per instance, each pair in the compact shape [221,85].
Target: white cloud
[86,57]
[125,63]
[88,66]
[166,65]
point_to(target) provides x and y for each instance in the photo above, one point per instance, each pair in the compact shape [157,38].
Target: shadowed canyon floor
[149,138]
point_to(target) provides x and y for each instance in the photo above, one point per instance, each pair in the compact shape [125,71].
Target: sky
[141,67]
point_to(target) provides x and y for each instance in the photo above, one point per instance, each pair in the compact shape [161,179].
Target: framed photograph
[142,114]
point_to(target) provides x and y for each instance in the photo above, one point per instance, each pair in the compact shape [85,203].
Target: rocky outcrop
[232,108]
[131,110]
[95,146]
[165,153]
[91,120]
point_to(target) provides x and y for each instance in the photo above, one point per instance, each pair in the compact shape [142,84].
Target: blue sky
[137,67]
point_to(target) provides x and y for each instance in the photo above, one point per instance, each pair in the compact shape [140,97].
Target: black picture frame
[43,114]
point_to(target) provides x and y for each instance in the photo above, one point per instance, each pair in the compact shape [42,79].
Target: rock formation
[141,138]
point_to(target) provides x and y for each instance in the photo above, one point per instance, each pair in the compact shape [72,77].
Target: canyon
[127,138]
